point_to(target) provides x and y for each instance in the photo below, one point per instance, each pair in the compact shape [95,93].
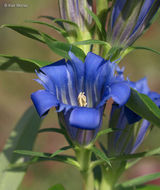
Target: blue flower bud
[129,19]
[131,128]
[75,11]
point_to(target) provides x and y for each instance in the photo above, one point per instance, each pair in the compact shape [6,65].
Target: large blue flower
[131,127]
[129,19]
[79,92]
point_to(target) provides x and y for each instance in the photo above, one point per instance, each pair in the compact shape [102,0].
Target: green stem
[110,175]
[106,183]
[83,155]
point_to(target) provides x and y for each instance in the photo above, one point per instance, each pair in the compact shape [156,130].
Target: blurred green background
[15,90]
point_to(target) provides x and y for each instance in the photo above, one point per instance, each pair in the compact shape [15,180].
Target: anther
[82,100]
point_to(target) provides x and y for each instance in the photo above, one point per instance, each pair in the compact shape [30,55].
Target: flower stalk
[83,155]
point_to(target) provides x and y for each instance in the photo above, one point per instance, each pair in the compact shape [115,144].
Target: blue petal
[63,78]
[92,64]
[141,86]
[143,13]
[131,116]
[155,97]
[43,101]
[118,91]
[78,67]
[85,118]
[144,127]
[98,73]
[148,11]
[119,4]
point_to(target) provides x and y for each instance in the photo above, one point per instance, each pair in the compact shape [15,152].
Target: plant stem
[106,183]
[83,155]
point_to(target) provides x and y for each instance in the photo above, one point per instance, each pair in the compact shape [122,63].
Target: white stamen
[82,100]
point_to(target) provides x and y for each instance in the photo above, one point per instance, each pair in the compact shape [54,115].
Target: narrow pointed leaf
[52,19]
[140,180]
[22,137]
[96,19]
[61,150]
[28,32]
[56,130]
[144,106]
[62,48]
[41,154]
[60,30]
[59,20]
[146,48]
[101,155]
[14,63]
[154,152]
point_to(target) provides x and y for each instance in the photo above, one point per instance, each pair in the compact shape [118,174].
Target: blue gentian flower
[129,19]
[131,127]
[79,92]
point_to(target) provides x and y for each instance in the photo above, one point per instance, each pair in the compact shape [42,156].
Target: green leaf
[42,154]
[28,32]
[60,151]
[52,19]
[103,132]
[89,42]
[57,187]
[154,152]
[101,155]
[139,180]
[62,48]
[144,106]
[61,131]
[22,137]
[96,19]
[60,30]
[59,20]
[145,48]
[14,63]
[141,187]
[148,187]
[106,131]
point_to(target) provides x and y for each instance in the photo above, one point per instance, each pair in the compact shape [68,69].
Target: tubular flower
[75,11]
[79,92]
[131,127]
[129,19]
